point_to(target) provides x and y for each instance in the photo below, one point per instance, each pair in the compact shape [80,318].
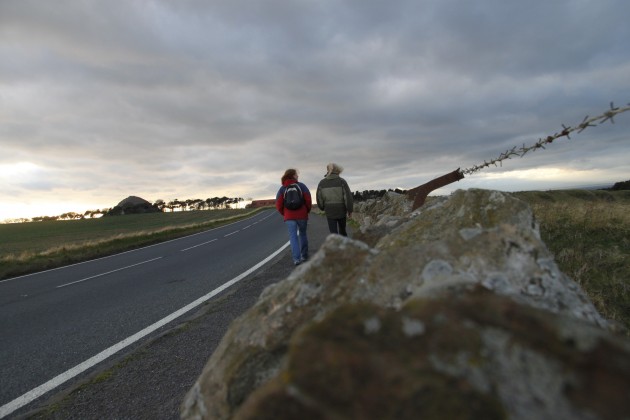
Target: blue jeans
[298,239]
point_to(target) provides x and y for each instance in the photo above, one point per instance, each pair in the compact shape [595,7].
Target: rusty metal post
[419,194]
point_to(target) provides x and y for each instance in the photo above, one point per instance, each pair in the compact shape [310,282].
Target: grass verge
[589,234]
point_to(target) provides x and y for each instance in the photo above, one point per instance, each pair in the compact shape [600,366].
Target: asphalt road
[52,322]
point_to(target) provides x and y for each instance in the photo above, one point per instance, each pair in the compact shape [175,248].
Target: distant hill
[132,205]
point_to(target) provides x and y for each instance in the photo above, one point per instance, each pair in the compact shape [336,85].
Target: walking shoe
[296,262]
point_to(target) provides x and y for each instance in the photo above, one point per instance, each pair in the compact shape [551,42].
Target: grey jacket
[334,197]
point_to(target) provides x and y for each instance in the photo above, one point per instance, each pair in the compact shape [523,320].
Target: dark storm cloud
[196,96]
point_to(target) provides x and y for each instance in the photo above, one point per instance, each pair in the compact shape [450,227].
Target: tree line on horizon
[160,205]
[619,186]
[214,203]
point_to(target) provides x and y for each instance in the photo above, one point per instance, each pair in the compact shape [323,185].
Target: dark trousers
[337,226]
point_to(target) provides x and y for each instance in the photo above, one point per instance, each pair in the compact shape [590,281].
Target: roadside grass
[31,247]
[589,234]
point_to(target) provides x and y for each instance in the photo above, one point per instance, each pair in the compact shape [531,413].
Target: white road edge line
[37,392]
[109,272]
[195,246]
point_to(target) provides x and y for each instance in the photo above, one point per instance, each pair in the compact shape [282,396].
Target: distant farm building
[262,203]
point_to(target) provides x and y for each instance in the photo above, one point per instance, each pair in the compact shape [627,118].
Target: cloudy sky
[183,99]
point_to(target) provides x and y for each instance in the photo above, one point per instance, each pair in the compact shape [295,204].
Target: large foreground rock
[457,311]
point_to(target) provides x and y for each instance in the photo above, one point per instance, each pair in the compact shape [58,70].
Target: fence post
[419,194]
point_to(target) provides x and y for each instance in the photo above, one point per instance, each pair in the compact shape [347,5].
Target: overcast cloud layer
[100,100]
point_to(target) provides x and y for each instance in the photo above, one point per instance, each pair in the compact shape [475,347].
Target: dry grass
[589,235]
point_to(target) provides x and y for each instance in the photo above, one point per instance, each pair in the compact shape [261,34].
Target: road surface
[59,323]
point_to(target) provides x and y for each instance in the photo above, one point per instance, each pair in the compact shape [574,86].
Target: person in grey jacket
[335,198]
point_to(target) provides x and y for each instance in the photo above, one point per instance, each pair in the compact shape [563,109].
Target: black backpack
[293,197]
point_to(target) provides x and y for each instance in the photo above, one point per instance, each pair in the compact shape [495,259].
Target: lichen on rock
[456,310]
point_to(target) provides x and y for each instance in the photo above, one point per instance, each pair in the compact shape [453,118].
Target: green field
[36,246]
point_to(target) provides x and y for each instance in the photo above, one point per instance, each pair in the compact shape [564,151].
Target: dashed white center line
[109,272]
[195,246]
[225,236]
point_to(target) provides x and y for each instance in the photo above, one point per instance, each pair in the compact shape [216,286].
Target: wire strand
[540,144]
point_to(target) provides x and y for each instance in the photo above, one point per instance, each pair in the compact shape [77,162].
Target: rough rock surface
[455,311]
[386,211]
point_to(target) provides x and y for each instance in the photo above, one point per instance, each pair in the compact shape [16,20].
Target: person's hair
[288,174]
[333,168]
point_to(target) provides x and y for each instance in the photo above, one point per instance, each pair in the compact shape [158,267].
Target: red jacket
[302,212]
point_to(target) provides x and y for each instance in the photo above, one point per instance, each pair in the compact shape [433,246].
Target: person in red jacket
[295,220]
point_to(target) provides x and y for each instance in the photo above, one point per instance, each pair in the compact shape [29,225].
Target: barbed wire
[540,144]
